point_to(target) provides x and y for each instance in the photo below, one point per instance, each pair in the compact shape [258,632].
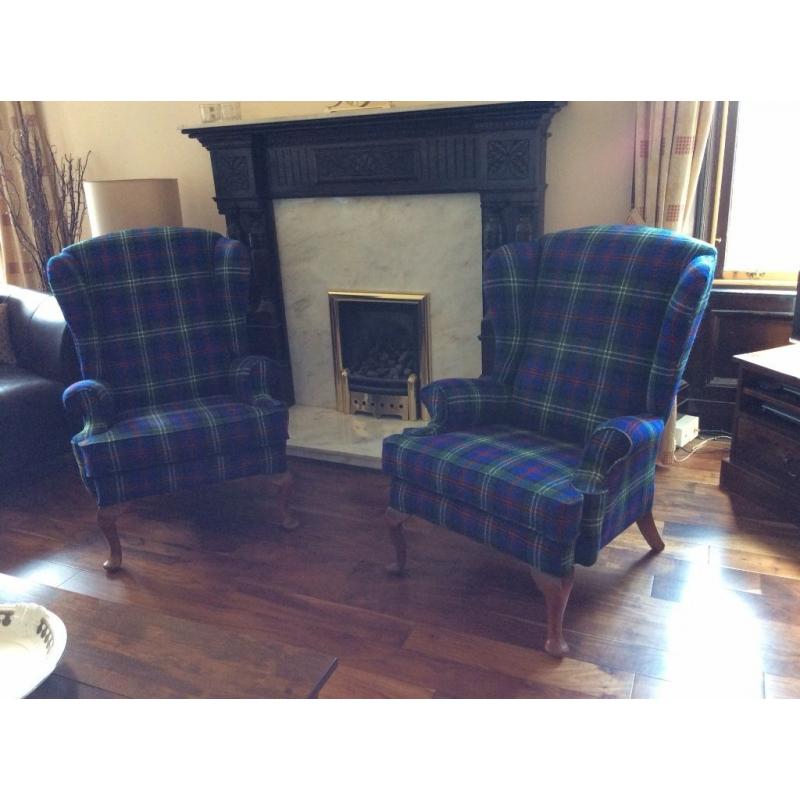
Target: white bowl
[32,641]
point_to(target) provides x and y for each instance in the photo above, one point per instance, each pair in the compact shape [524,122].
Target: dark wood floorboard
[717,614]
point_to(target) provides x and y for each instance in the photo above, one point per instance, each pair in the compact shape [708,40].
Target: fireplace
[381,352]
[401,200]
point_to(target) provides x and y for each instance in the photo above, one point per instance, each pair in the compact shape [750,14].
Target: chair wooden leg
[107,522]
[394,521]
[648,528]
[280,486]
[556,593]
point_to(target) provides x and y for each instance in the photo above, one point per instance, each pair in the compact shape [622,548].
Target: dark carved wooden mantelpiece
[496,150]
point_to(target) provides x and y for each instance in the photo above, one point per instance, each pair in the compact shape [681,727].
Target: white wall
[589,158]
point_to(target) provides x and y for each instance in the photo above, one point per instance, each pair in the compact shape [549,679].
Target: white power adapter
[687,428]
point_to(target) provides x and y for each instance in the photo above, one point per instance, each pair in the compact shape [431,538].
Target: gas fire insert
[381,352]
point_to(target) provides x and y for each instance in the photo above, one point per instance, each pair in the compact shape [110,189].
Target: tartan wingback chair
[553,454]
[169,397]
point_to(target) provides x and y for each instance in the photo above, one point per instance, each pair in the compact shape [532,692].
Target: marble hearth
[326,434]
[418,243]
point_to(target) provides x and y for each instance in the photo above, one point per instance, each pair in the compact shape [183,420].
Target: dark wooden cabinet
[764,463]
[738,320]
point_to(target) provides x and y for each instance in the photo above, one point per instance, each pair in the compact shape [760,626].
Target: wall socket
[210,112]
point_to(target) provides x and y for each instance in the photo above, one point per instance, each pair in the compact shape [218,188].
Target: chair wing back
[610,323]
[156,313]
[509,291]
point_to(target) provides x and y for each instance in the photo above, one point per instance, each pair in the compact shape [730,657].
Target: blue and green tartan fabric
[611,304]
[169,396]
[553,557]
[593,329]
[458,403]
[93,402]
[611,442]
[180,431]
[253,379]
[119,487]
[157,314]
[513,474]
[508,296]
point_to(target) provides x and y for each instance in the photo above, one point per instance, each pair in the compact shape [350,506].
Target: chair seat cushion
[535,549]
[181,431]
[507,472]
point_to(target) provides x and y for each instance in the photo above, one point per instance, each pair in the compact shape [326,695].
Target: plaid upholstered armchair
[169,397]
[553,455]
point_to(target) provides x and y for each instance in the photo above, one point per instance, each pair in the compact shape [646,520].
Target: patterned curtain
[16,264]
[671,139]
[671,143]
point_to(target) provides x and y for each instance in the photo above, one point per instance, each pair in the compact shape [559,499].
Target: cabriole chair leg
[648,528]
[107,522]
[394,522]
[556,591]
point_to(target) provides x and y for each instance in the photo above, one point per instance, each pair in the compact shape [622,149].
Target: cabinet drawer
[775,455]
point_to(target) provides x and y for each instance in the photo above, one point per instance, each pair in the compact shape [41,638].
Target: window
[749,195]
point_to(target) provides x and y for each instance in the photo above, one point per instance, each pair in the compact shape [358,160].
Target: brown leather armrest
[40,337]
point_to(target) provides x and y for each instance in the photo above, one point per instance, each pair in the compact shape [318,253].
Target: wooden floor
[717,614]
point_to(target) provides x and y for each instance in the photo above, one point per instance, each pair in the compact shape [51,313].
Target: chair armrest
[463,403]
[253,379]
[611,442]
[94,402]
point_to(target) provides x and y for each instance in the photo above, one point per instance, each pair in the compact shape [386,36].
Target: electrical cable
[700,445]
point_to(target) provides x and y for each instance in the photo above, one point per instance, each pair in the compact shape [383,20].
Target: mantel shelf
[324,115]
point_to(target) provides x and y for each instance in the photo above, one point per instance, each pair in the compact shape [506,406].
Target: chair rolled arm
[94,402]
[463,403]
[254,379]
[611,442]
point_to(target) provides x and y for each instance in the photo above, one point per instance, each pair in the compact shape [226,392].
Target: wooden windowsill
[754,283]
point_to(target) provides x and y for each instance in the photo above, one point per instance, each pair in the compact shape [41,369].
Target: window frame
[713,199]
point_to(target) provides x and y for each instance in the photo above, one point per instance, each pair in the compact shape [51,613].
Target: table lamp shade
[136,203]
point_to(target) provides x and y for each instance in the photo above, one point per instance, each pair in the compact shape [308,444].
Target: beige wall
[590,165]
[138,140]
[589,162]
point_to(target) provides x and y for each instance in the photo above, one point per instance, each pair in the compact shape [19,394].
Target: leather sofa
[33,424]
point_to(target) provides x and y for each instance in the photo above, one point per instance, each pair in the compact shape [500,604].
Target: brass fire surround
[405,405]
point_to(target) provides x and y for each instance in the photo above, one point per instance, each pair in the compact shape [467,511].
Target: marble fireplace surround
[422,244]
[404,201]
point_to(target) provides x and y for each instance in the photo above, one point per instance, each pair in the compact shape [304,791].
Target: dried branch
[54,208]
